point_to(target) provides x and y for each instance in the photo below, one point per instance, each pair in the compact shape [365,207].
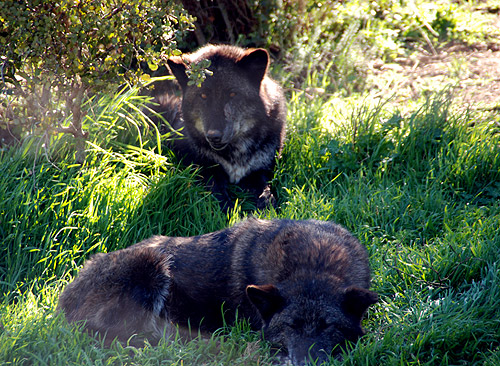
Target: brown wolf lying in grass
[304,283]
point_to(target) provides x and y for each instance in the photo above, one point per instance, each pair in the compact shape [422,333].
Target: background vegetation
[420,187]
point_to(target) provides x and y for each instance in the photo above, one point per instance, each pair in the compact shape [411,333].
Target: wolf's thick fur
[305,283]
[234,124]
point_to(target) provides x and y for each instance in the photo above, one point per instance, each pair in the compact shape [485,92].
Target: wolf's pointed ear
[266,298]
[255,62]
[357,300]
[178,69]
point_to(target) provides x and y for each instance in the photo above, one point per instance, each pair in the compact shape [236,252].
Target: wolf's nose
[214,136]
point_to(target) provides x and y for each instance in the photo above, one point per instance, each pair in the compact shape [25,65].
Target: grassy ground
[419,188]
[421,192]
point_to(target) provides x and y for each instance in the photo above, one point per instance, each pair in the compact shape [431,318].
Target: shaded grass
[429,326]
[33,334]
[420,191]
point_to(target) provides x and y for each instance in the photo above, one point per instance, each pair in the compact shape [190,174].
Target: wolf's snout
[215,139]
[214,136]
[307,353]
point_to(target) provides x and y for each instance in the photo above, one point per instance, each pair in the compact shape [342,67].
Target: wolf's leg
[257,183]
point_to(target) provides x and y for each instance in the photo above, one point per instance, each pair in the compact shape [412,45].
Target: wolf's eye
[296,324]
[323,324]
[203,96]
[232,94]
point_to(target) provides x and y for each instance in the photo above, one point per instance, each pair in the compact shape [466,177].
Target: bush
[55,55]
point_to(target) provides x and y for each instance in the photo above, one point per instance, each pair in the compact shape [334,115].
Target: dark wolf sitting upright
[304,283]
[234,124]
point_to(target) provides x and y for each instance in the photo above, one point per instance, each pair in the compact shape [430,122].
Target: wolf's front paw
[266,199]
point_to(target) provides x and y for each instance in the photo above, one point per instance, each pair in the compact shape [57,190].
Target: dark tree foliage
[222,20]
[244,22]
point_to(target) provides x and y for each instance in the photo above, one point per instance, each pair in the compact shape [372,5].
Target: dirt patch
[472,72]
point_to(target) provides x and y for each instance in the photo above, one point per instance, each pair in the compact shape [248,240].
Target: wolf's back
[270,251]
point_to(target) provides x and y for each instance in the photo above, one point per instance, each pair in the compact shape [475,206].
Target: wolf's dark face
[227,104]
[311,324]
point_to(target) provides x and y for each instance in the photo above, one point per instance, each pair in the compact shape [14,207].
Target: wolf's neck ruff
[241,162]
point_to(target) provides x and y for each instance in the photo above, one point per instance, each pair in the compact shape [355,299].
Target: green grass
[420,191]
[419,186]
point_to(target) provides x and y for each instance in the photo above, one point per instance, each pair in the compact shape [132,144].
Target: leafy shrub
[55,55]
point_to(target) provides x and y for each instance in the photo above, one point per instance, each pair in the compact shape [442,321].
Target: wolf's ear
[254,62]
[266,298]
[178,69]
[356,300]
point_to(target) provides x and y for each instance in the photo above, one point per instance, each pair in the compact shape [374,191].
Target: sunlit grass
[420,190]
